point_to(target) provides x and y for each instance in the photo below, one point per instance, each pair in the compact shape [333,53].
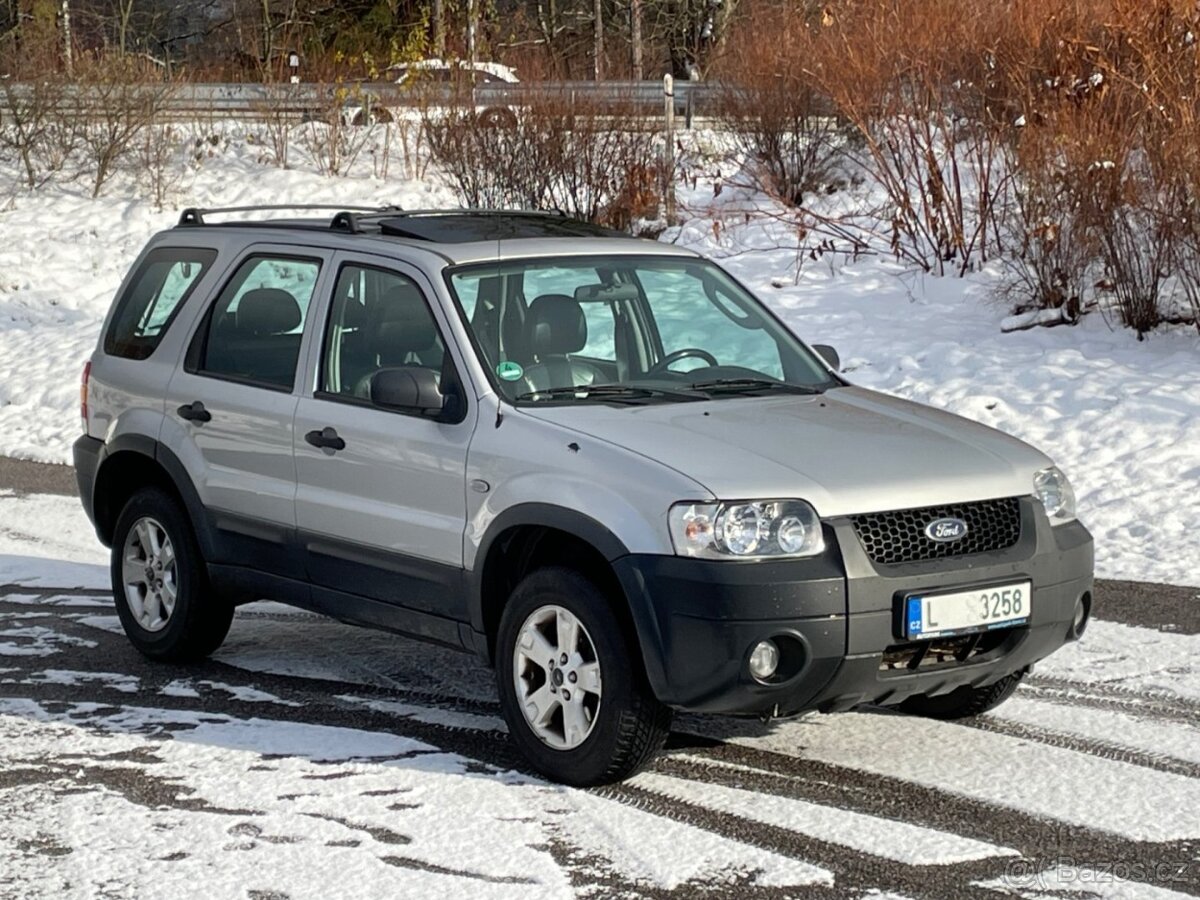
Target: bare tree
[635,38]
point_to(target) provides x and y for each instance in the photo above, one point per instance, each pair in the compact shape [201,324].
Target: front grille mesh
[899,537]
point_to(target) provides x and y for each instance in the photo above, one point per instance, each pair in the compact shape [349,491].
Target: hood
[846,451]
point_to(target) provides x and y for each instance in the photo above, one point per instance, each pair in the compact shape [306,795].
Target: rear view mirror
[409,389]
[607,293]
[830,356]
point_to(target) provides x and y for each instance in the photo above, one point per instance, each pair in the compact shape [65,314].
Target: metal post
[669,148]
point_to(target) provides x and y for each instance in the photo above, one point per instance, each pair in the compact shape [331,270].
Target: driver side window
[688,318]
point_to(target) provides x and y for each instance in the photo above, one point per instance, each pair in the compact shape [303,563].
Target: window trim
[110,342]
[319,393]
[198,345]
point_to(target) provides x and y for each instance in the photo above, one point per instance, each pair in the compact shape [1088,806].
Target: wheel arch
[531,535]
[131,462]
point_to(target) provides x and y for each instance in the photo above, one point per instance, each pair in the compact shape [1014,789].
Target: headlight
[1054,490]
[750,530]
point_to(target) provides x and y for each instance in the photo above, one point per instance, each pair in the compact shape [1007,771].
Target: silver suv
[599,463]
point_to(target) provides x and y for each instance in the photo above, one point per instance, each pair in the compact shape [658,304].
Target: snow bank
[1122,417]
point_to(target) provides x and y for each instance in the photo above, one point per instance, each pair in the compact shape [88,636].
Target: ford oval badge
[945,530]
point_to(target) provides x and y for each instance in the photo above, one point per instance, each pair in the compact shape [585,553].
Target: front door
[380,502]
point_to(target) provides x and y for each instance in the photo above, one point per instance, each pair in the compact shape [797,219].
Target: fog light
[764,660]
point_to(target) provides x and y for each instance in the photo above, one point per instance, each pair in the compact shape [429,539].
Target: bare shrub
[1108,102]
[116,106]
[594,164]
[330,137]
[159,164]
[910,78]
[31,127]
[783,125]
[279,109]
[1050,255]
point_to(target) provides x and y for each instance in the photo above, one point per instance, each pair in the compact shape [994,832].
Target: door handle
[195,412]
[326,439]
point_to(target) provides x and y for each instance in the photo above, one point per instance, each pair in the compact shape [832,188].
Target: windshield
[635,329]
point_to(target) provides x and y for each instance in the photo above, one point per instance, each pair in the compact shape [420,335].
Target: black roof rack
[447,226]
[195,215]
[462,226]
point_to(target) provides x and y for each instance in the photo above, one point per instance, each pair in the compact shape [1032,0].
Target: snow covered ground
[1122,417]
[315,760]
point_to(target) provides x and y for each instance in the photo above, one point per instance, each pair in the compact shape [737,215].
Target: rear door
[231,406]
[382,512]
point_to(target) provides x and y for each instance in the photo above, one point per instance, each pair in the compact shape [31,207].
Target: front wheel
[572,688]
[965,701]
[160,583]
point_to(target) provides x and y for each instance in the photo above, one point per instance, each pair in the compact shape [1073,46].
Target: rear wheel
[160,584]
[963,702]
[572,687]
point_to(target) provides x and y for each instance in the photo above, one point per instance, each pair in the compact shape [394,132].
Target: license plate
[963,612]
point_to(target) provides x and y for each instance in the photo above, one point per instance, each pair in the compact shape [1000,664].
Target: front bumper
[835,616]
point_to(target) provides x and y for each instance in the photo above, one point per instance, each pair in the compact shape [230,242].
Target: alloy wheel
[557,677]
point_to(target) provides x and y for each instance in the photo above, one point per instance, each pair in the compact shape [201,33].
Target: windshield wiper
[615,392]
[749,385]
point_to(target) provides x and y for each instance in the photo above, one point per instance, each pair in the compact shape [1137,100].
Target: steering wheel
[685,353]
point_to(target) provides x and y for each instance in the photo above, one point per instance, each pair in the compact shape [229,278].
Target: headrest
[267,311]
[403,324]
[556,325]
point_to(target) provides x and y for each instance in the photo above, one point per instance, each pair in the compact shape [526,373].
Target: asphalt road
[701,752]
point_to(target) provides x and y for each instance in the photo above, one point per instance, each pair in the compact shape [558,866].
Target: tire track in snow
[1100,695]
[1160,762]
[1034,837]
[713,762]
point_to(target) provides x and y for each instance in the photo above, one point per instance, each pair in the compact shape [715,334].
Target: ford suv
[597,462]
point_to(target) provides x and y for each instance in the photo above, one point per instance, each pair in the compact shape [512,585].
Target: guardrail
[306,100]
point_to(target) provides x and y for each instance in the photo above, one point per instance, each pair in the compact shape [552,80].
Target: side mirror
[410,389]
[830,356]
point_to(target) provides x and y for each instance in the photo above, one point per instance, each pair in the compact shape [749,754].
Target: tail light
[83,394]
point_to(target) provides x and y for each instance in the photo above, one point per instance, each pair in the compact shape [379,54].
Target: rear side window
[161,285]
[254,329]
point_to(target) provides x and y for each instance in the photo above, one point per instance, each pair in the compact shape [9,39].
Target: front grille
[899,537]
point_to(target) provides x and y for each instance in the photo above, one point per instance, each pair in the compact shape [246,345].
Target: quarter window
[162,283]
[255,327]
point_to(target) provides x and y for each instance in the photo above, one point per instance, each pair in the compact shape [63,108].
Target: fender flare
[176,473]
[547,515]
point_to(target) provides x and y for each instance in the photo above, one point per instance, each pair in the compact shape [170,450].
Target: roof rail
[195,215]
[472,211]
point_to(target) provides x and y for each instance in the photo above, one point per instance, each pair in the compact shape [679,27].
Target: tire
[626,725]
[965,701]
[497,117]
[191,625]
